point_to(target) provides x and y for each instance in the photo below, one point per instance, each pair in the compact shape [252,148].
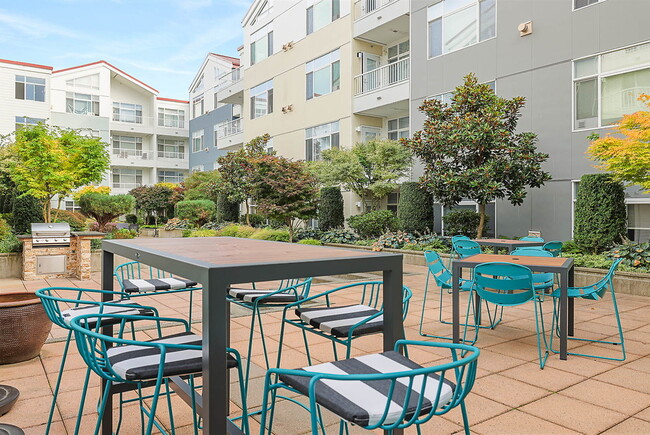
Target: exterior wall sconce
[288,46]
[287,109]
[525,28]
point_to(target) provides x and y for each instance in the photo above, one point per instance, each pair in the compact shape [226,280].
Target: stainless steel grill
[46,235]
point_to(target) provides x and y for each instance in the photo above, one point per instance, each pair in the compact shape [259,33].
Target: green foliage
[429,242]
[154,200]
[5,229]
[10,243]
[26,210]
[339,236]
[245,232]
[124,233]
[105,208]
[203,233]
[308,233]
[471,149]
[415,209]
[364,242]
[187,233]
[462,222]
[374,223]
[203,185]
[394,240]
[197,211]
[77,221]
[330,208]
[228,231]
[131,219]
[48,161]
[600,213]
[633,254]
[177,224]
[570,247]
[271,234]
[594,261]
[310,242]
[227,211]
[256,220]
[370,169]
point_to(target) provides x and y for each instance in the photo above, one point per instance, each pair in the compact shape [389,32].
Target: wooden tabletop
[508,241]
[528,261]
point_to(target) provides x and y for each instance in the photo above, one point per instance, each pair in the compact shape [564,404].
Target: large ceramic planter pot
[24,327]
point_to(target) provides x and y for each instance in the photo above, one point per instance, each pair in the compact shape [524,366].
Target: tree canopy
[471,150]
[105,208]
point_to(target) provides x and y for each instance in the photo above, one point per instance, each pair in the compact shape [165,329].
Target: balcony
[231,87]
[229,134]
[174,155]
[381,21]
[383,91]
[125,186]
[131,154]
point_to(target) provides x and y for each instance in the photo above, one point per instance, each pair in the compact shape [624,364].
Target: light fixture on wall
[287,109]
[525,28]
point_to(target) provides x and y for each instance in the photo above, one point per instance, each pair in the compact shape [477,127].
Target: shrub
[570,247]
[109,228]
[415,208]
[374,223]
[307,233]
[245,232]
[77,221]
[600,213]
[104,190]
[197,211]
[5,229]
[131,219]
[27,210]
[187,233]
[330,209]
[256,220]
[228,231]
[125,233]
[177,224]
[339,236]
[227,211]
[10,243]
[310,242]
[271,234]
[394,240]
[593,261]
[105,208]
[462,222]
[203,233]
[633,254]
[364,242]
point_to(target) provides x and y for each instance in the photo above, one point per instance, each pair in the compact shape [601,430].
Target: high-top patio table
[559,265]
[508,244]
[217,263]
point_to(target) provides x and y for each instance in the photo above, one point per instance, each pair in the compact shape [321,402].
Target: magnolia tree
[471,149]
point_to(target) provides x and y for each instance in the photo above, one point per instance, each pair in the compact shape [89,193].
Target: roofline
[235,60]
[205,62]
[252,9]
[172,100]
[155,91]
[32,65]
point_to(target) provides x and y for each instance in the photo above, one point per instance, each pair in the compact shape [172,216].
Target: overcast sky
[161,42]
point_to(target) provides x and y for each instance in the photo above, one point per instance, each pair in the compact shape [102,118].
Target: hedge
[26,210]
[415,209]
[330,209]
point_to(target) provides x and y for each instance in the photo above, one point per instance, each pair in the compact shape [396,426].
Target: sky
[160,42]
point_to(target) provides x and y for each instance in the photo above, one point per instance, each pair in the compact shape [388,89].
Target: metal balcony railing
[365,7]
[126,185]
[125,153]
[171,155]
[382,77]
[229,128]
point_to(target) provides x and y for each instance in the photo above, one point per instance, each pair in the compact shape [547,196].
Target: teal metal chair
[465,247]
[381,391]
[139,279]
[443,279]
[532,239]
[341,324]
[544,281]
[554,247]
[508,284]
[62,304]
[593,292]
[147,363]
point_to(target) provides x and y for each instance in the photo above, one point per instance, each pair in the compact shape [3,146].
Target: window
[323,75]
[262,99]
[577,4]
[128,146]
[638,221]
[199,84]
[608,86]
[398,128]
[91,81]
[71,205]
[30,88]
[171,149]
[22,121]
[446,97]
[197,141]
[398,52]
[171,117]
[262,43]
[126,178]
[82,104]
[456,24]
[322,13]
[127,112]
[197,107]
[170,177]
[321,138]
[392,201]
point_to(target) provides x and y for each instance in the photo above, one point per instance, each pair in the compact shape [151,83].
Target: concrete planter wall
[624,282]
[162,233]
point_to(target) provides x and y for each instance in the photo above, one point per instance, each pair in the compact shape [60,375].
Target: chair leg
[55,393]
[470,305]
[102,407]
[82,402]
[170,407]
[539,318]
[463,411]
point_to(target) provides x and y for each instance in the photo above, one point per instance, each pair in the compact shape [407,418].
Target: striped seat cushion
[131,309]
[364,402]
[140,363]
[157,284]
[251,294]
[338,320]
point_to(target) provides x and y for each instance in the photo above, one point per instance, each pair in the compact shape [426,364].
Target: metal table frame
[216,279]
[510,245]
[566,280]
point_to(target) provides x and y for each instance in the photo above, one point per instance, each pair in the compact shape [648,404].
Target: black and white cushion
[364,402]
[155,284]
[141,363]
[123,306]
[251,295]
[338,320]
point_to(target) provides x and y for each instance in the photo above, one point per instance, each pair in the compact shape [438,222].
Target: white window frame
[198,102]
[177,145]
[265,88]
[168,117]
[137,173]
[127,107]
[24,121]
[334,14]
[164,176]
[30,83]
[573,5]
[265,32]
[445,96]
[333,132]
[78,83]
[198,141]
[327,61]
[399,129]
[478,25]
[599,76]
[76,97]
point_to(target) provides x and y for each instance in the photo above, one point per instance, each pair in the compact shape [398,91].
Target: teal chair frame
[443,278]
[544,281]
[461,370]
[465,247]
[369,294]
[54,305]
[532,239]
[554,247]
[594,292]
[508,285]
[93,347]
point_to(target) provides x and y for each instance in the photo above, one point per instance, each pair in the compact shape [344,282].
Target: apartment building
[215,124]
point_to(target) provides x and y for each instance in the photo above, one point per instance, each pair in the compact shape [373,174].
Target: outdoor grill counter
[219,262]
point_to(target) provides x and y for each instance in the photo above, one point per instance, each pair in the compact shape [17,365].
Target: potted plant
[24,327]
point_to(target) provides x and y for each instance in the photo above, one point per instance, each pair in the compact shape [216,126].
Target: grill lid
[61,229]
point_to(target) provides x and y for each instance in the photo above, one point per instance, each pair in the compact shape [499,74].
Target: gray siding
[207,122]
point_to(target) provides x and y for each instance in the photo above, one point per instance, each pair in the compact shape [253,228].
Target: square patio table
[508,244]
[219,262]
[559,265]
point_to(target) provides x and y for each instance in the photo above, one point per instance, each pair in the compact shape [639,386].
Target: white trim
[573,4]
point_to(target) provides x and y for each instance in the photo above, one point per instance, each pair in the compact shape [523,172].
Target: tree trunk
[481,222]
[248,215]
[290,225]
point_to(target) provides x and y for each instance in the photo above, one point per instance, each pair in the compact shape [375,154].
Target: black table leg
[564,284]
[455,297]
[570,332]
[107,284]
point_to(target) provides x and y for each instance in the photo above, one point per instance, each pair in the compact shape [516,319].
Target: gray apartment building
[580,64]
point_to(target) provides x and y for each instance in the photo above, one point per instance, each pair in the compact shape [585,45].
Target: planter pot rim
[18,299]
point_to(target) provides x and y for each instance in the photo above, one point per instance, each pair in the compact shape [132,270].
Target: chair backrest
[504,283]
[370,294]
[532,239]
[300,285]
[437,268]
[554,247]
[528,252]
[465,247]
[459,237]
[137,270]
